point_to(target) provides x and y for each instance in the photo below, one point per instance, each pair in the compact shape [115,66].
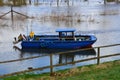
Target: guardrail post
[98,56]
[51,65]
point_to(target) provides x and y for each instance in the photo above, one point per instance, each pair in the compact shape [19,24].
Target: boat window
[66,35]
[69,34]
[63,33]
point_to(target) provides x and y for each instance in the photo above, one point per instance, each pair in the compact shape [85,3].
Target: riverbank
[104,71]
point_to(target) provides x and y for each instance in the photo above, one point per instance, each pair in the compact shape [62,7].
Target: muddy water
[86,17]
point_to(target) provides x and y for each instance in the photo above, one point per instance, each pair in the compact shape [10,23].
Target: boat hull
[56,44]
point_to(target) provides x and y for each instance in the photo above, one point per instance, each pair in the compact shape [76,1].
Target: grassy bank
[104,71]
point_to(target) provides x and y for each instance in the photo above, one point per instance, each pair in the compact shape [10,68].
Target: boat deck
[56,38]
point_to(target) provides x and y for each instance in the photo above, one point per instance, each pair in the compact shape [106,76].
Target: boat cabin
[66,34]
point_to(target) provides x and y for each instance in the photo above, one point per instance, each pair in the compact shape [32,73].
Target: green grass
[98,74]
[110,0]
[104,71]
[26,76]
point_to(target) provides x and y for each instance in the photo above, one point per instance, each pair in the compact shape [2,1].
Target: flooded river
[45,17]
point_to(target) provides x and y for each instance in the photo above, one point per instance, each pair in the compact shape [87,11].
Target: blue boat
[66,39]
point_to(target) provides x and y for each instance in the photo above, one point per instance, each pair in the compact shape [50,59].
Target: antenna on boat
[27,32]
[31,34]
[31,25]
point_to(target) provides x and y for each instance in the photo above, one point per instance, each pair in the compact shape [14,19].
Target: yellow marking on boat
[31,34]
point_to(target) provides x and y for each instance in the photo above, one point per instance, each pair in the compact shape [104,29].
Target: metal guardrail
[51,66]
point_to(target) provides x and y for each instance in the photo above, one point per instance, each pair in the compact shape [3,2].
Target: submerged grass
[104,71]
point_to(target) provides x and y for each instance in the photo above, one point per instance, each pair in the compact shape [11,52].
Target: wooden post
[57,2]
[30,2]
[60,58]
[98,56]
[104,1]
[68,2]
[117,1]
[51,65]
[12,13]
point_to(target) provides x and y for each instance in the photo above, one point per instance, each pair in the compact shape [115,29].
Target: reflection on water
[70,57]
[62,52]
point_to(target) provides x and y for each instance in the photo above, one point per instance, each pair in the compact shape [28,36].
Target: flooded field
[45,17]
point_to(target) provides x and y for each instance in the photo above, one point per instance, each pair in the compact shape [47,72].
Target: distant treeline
[1,2]
[110,0]
[24,2]
[13,2]
[18,2]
